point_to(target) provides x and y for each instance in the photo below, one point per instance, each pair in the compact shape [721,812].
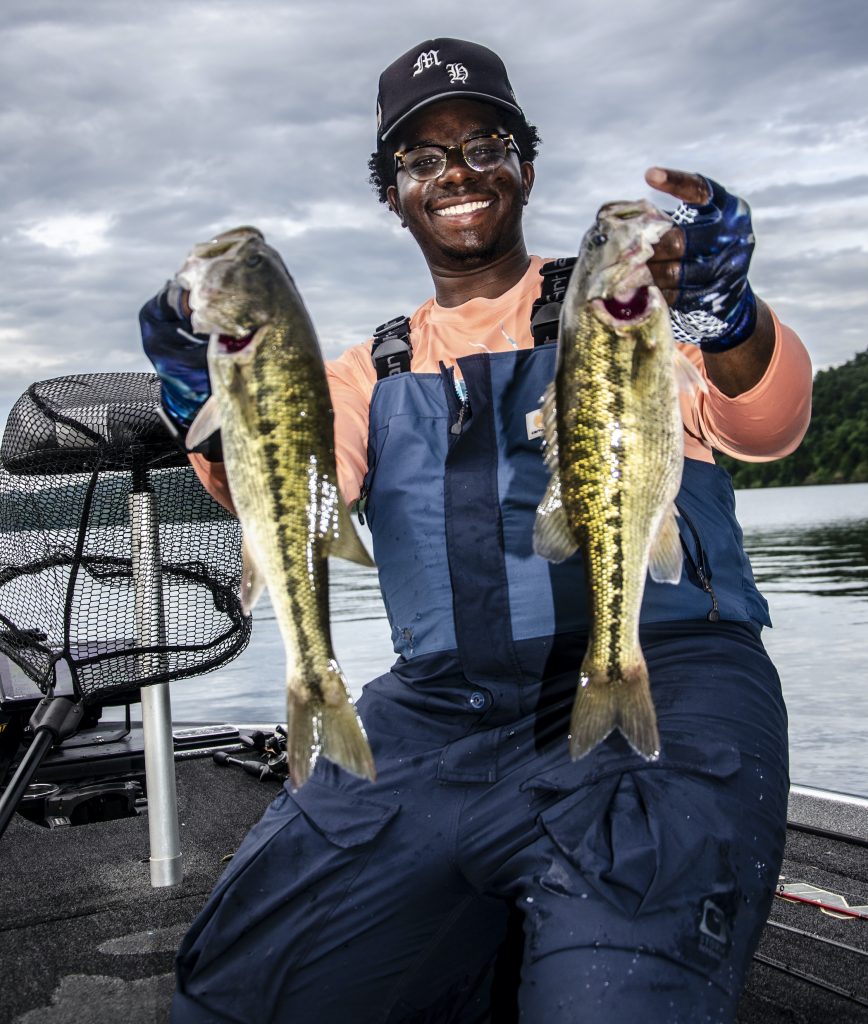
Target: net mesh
[113,557]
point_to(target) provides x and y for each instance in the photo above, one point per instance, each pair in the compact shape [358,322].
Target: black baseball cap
[440,69]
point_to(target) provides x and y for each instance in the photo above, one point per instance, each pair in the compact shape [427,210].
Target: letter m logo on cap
[426,59]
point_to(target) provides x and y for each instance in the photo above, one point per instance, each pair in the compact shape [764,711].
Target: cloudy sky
[132,130]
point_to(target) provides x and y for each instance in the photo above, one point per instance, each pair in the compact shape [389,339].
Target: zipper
[456,400]
[701,568]
[458,425]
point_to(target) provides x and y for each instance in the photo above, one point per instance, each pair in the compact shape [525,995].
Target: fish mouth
[629,308]
[232,344]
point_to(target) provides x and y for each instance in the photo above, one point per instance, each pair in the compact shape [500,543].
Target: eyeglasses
[483,153]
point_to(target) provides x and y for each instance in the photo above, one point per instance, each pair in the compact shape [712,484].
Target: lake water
[809,549]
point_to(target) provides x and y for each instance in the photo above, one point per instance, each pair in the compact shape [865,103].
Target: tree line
[835,448]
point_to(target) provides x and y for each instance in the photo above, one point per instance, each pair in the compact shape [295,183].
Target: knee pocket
[655,856]
[346,818]
[320,813]
[293,868]
[648,835]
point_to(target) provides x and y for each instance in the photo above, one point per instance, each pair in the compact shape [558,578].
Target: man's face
[452,234]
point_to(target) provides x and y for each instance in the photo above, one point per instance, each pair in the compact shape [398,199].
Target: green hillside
[835,448]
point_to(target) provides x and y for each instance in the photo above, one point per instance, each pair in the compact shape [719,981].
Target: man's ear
[527,179]
[395,203]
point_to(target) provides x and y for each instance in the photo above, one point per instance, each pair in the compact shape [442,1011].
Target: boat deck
[85,939]
[811,967]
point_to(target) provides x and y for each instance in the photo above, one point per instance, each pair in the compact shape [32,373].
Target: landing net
[72,588]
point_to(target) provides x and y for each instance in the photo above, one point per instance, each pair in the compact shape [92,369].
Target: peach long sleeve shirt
[764,423]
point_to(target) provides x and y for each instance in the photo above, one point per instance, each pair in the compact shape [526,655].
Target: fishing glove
[180,357]
[715,307]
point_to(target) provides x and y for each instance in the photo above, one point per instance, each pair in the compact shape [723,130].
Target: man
[641,886]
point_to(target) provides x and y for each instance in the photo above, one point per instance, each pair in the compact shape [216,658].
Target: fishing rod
[802,892]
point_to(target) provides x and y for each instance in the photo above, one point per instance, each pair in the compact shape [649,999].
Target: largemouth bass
[270,400]
[615,451]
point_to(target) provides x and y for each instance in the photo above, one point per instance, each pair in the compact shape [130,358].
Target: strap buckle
[546,311]
[391,352]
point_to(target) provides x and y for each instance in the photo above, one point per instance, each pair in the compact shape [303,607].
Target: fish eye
[598,238]
[253,260]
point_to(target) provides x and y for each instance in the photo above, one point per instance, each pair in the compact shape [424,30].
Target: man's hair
[382,162]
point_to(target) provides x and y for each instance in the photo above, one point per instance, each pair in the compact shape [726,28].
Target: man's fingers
[670,246]
[665,264]
[692,188]
[667,277]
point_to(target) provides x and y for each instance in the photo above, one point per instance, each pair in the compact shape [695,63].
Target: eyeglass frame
[506,137]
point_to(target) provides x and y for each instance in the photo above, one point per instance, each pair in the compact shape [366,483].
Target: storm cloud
[132,131]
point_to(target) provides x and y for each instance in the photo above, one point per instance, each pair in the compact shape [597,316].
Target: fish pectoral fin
[552,537]
[687,376]
[252,579]
[666,558]
[206,423]
[346,543]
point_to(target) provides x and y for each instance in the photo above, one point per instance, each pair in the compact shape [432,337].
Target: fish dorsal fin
[344,542]
[666,559]
[206,423]
[687,376]
[552,537]
[252,579]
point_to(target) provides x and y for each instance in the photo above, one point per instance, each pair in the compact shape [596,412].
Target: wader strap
[392,351]
[546,312]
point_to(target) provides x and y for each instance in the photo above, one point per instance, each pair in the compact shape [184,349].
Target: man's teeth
[457,211]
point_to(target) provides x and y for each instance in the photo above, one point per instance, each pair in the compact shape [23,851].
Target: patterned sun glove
[715,307]
[180,357]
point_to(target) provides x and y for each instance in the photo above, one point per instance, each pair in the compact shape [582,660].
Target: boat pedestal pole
[165,859]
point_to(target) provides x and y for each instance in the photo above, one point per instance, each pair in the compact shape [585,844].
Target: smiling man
[475,220]
[485,876]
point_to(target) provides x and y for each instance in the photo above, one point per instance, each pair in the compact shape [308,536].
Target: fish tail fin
[607,701]
[344,740]
[335,730]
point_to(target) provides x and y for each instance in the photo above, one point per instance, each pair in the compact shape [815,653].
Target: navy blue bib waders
[642,887]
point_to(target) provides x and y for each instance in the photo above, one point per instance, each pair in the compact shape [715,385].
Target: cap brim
[464,94]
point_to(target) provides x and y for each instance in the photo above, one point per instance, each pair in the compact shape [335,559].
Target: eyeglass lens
[484,154]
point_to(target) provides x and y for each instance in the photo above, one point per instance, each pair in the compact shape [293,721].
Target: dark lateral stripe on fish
[307,649]
[616,571]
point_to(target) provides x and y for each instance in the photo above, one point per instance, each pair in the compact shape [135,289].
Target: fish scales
[270,399]
[266,450]
[617,393]
[614,446]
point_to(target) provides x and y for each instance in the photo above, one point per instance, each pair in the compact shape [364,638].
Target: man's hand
[701,267]
[178,355]
[665,264]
